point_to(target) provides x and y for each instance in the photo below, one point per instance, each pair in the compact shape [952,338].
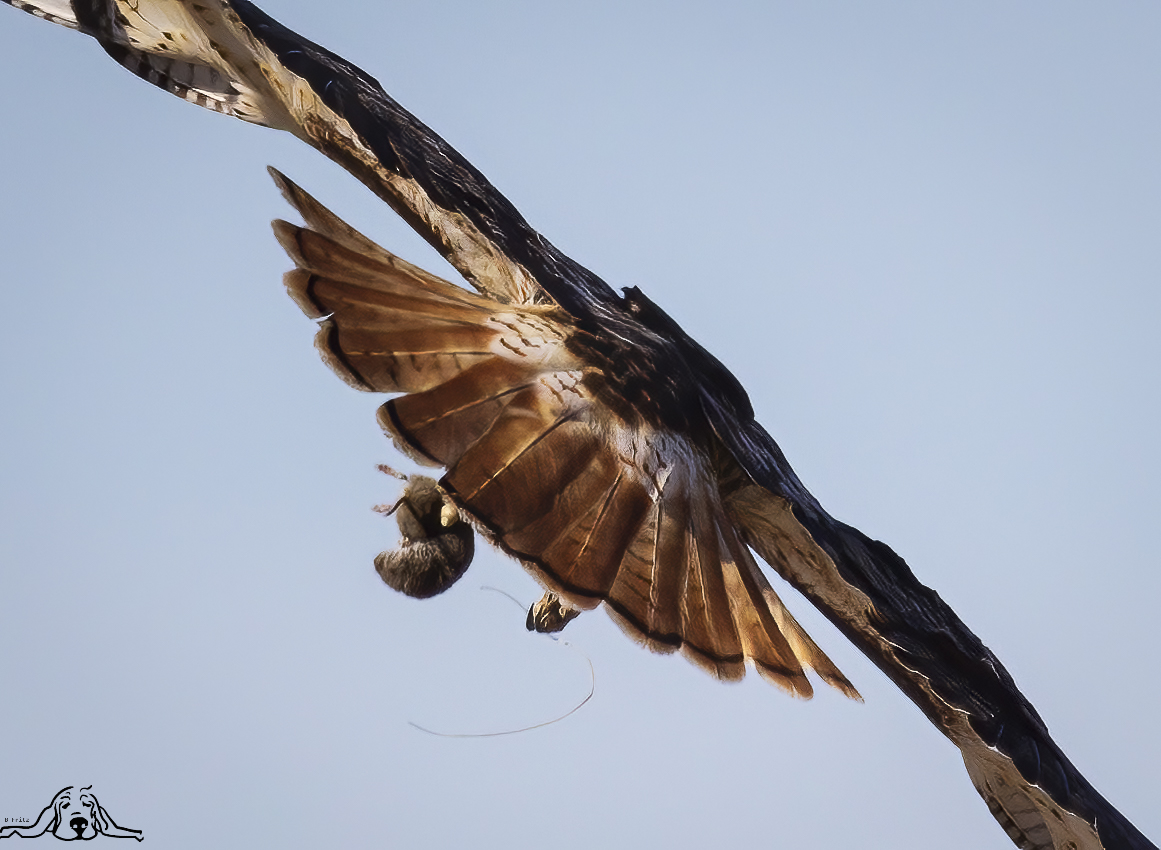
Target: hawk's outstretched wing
[584,429]
[602,507]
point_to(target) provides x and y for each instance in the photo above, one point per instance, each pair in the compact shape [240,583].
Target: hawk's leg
[549,614]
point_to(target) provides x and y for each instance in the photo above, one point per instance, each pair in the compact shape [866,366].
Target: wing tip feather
[285,185]
[330,351]
[794,683]
[297,283]
[287,235]
[393,429]
[722,669]
[659,644]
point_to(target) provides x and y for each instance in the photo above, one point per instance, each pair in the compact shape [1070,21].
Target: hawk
[581,429]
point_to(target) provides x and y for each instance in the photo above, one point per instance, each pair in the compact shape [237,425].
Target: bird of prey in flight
[582,430]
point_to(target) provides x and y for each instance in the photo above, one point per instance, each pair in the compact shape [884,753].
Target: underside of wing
[191,50]
[644,490]
[233,58]
[1032,789]
[599,510]
[54,11]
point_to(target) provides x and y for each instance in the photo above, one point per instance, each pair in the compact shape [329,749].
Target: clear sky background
[926,237]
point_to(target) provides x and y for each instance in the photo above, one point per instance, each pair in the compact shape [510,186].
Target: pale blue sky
[926,237]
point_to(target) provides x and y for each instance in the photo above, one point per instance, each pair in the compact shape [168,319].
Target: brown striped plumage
[598,509]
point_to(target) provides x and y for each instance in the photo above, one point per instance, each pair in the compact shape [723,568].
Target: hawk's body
[591,437]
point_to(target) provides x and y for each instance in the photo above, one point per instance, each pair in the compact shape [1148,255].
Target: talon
[549,614]
[449,514]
